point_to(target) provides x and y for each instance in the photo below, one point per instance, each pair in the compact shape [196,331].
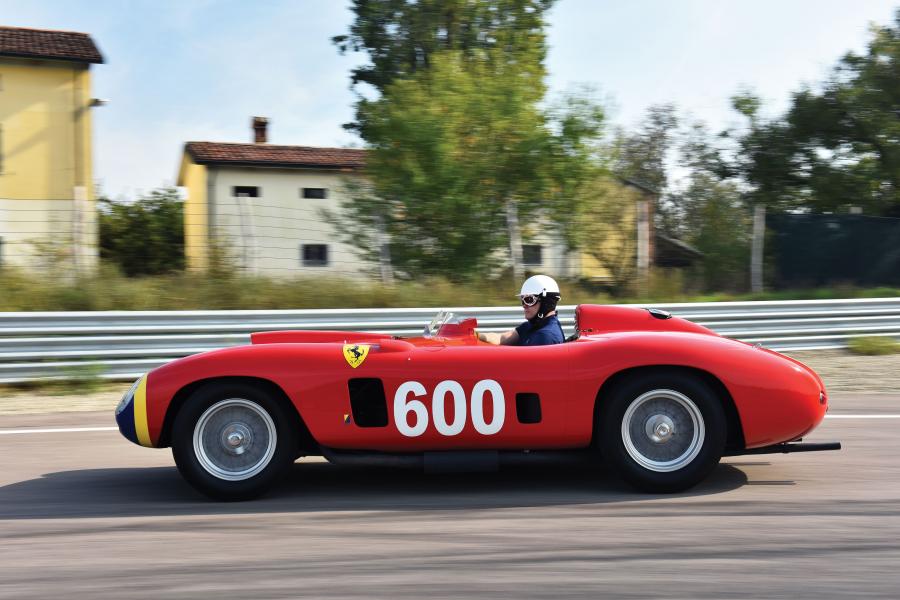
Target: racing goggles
[530,300]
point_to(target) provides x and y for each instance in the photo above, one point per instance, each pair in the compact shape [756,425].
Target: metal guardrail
[121,345]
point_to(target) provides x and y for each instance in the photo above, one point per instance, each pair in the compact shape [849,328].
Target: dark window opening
[315,193]
[528,408]
[531,254]
[314,255]
[367,402]
[251,191]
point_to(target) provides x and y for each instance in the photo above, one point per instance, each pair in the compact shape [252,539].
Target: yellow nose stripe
[140,414]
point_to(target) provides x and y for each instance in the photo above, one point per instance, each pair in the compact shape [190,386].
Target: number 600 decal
[402,408]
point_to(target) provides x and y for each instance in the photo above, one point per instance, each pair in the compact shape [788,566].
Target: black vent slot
[367,402]
[528,407]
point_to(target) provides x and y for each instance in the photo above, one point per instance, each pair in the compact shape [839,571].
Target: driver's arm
[508,338]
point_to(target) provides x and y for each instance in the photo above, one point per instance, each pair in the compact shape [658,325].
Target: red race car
[659,398]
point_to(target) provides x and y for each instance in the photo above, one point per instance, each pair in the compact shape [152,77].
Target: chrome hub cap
[660,428]
[663,430]
[237,438]
[234,439]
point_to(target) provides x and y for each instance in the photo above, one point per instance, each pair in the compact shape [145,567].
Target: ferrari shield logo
[356,354]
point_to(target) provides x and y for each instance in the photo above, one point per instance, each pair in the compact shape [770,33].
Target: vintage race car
[657,397]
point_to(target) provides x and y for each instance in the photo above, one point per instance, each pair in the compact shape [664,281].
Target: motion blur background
[396,153]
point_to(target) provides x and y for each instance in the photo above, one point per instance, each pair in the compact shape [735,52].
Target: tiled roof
[42,43]
[281,156]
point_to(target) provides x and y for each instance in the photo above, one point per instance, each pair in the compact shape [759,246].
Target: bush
[873,345]
[145,237]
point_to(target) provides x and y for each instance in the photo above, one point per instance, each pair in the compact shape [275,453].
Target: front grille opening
[367,402]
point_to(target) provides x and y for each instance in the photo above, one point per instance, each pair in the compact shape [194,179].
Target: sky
[188,70]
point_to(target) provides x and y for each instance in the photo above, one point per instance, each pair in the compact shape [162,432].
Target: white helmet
[539,285]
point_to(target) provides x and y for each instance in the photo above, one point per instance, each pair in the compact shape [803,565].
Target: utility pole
[384,253]
[756,252]
[515,238]
[643,244]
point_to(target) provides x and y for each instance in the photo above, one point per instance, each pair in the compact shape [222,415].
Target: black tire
[244,441]
[675,433]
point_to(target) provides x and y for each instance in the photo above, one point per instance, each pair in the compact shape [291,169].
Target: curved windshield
[442,318]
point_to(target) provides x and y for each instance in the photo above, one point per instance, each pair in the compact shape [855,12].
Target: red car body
[768,398]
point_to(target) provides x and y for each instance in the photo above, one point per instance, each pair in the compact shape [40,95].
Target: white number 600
[403,406]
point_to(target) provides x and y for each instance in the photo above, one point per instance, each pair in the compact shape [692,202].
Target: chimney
[260,124]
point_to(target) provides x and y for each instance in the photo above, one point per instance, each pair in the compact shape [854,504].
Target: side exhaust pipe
[788,447]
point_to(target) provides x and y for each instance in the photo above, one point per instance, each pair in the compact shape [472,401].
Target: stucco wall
[193,178]
[264,235]
[46,129]
[46,189]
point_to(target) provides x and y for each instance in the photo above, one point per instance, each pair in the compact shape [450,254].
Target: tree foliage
[458,133]
[401,37]
[839,144]
[145,237]
[641,155]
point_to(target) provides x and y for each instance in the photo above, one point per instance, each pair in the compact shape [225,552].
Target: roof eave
[272,165]
[98,61]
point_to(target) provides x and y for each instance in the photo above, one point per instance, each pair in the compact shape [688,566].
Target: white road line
[60,430]
[862,416]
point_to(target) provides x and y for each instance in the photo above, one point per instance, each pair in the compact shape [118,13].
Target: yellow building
[618,238]
[47,213]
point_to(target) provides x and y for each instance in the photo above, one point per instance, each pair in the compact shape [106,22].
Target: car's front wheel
[231,441]
[662,432]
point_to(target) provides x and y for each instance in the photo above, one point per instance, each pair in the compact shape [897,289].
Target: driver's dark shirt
[550,333]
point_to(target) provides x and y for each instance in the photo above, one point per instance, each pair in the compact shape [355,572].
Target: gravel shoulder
[841,371]
[845,372]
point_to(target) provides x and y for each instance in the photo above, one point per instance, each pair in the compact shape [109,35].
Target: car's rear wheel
[662,431]
[231,441]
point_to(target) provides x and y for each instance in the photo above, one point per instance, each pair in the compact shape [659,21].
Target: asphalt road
[89,515]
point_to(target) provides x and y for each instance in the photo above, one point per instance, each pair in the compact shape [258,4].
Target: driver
[539,297]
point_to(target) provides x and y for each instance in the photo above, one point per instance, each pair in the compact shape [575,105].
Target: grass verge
[873,345]
[109,290]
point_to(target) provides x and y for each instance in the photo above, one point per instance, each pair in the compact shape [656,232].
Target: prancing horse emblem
[356,354]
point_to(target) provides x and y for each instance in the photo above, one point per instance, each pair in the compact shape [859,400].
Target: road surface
[86,514]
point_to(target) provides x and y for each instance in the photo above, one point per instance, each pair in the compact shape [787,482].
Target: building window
[531,254]
[314,193]
[314,255]
[250,191]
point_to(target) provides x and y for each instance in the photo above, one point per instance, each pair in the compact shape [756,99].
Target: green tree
[839,144]
[460,149]
[641,155]
[709,211]
[402,36]
[145,237]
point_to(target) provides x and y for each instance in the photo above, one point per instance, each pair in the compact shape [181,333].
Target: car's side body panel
[315,378]
[776,399]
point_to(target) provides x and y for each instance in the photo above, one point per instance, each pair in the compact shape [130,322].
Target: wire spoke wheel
[663,430]
[234,439]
